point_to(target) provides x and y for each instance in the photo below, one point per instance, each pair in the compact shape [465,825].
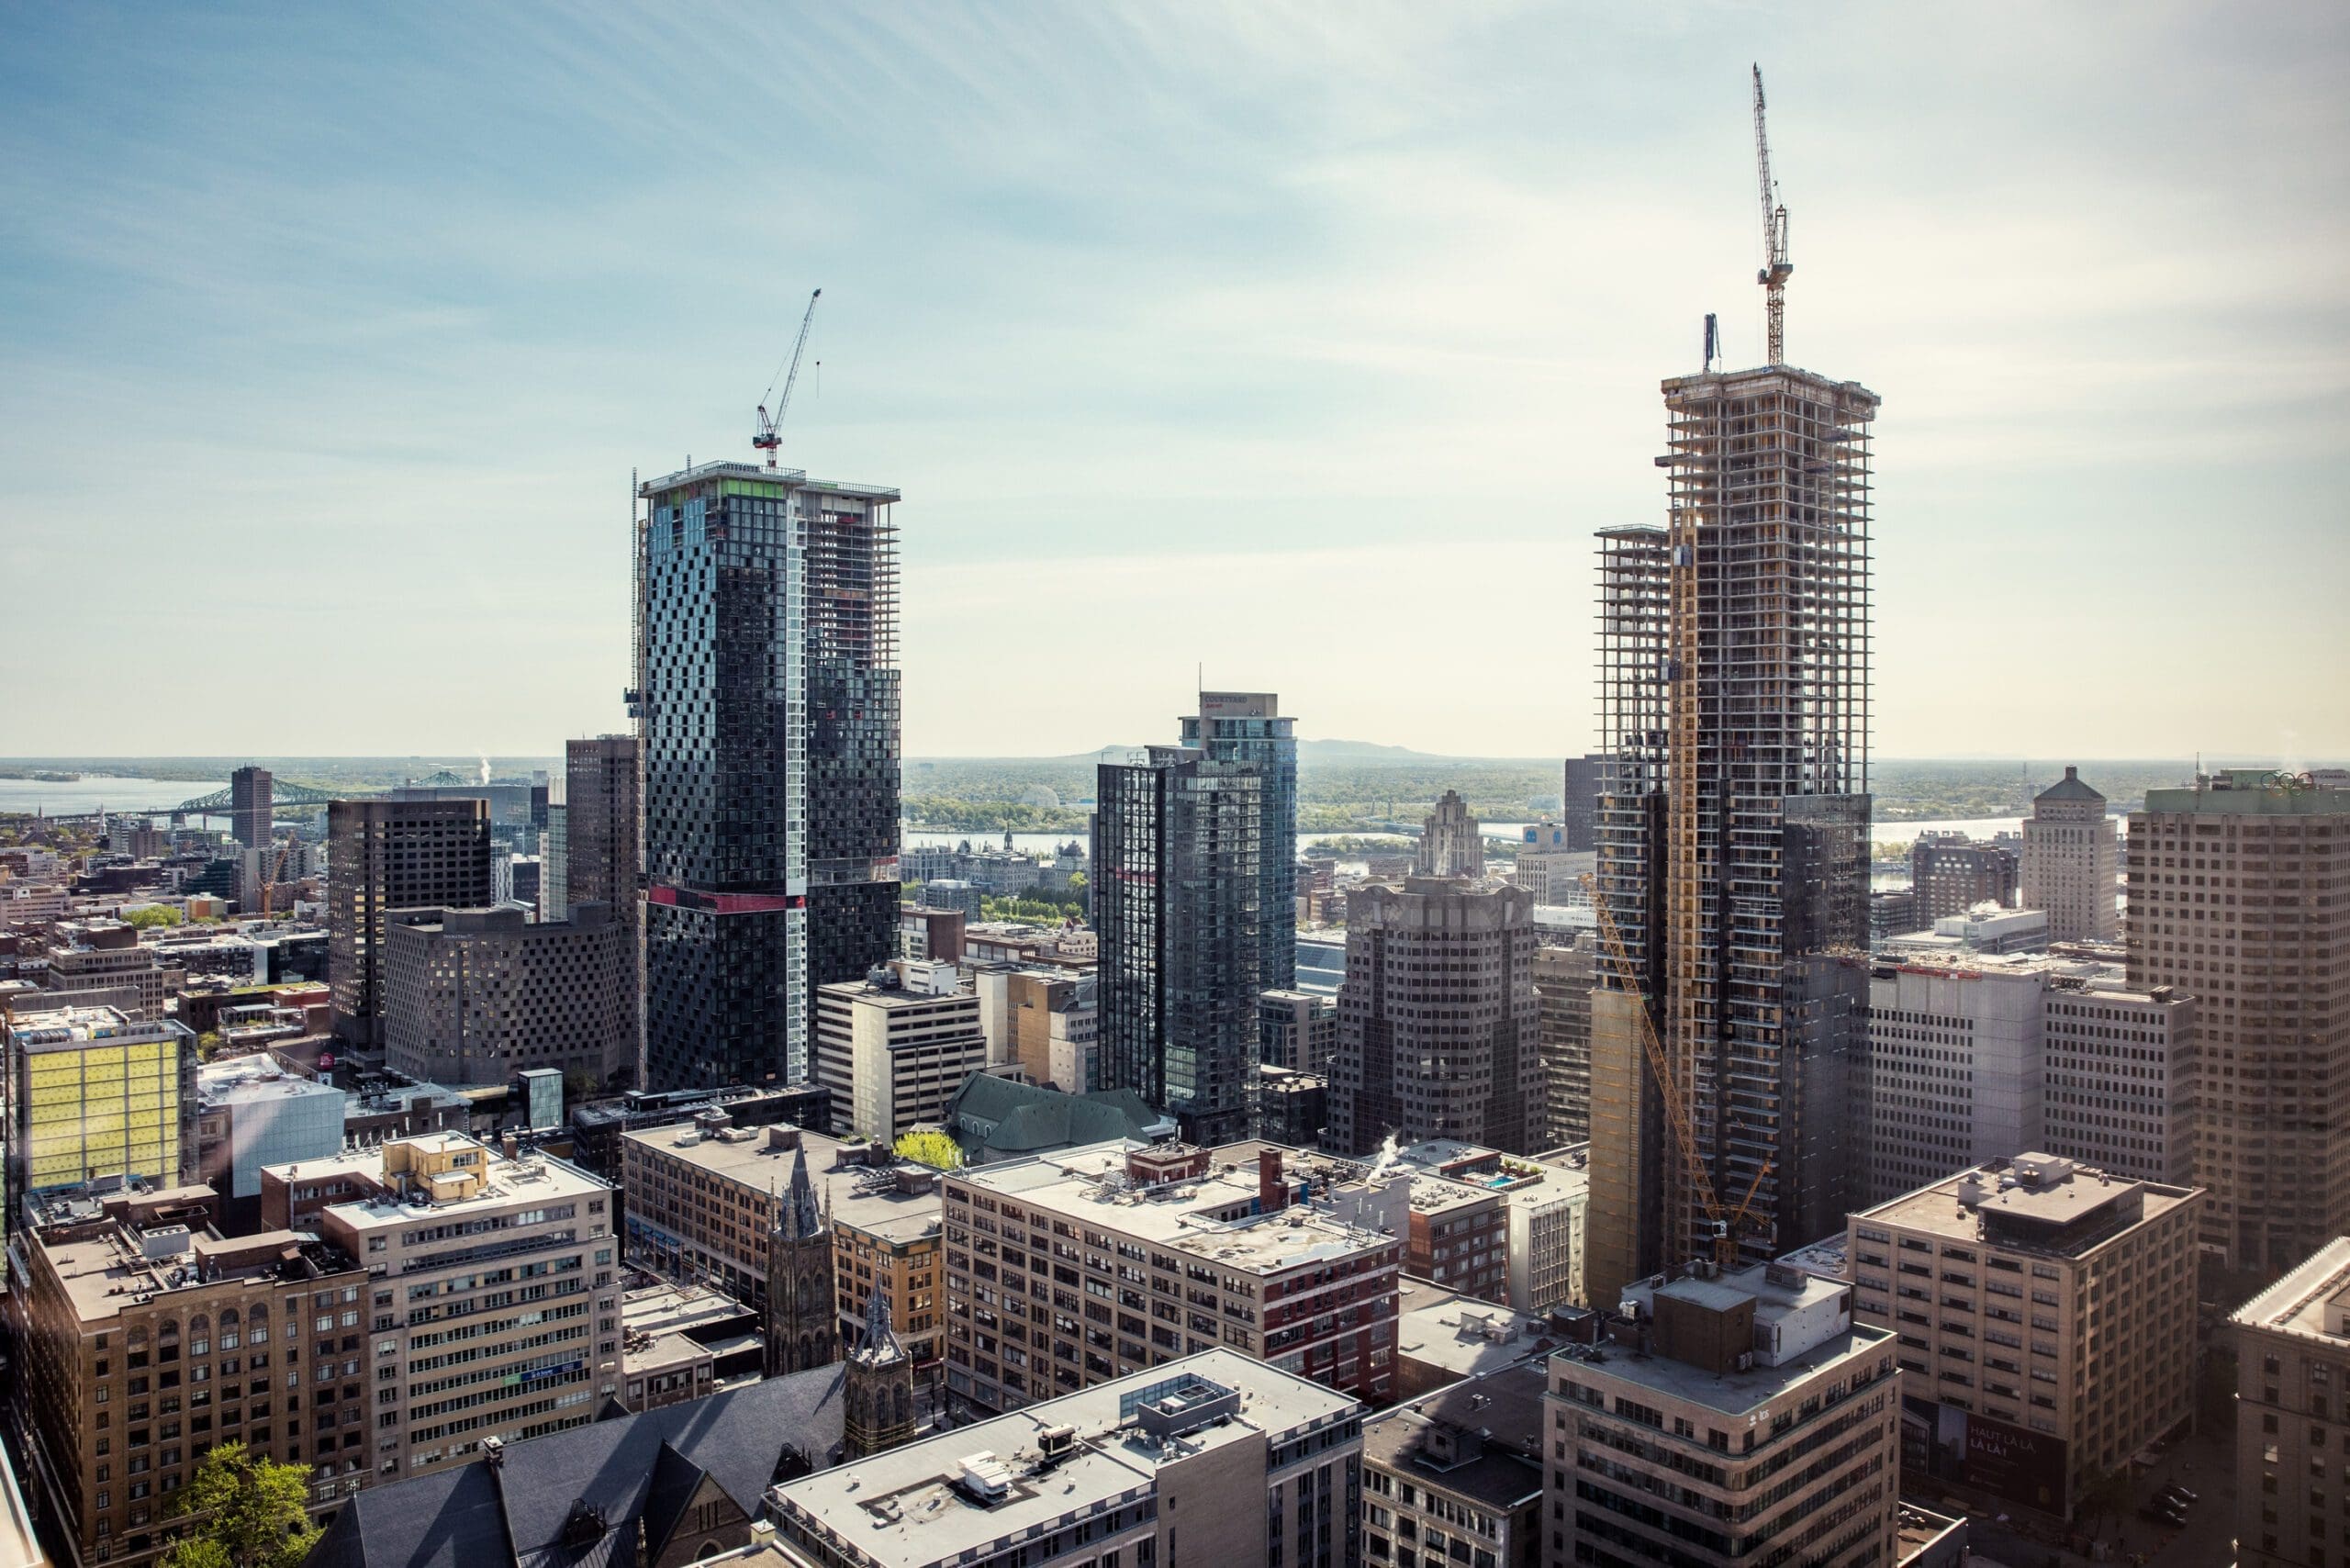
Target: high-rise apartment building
[1563,979]
[2046,1318]
[1176,903]
[252,807]
[602,821]
[1742,1418]
[2069,859]
[2292,1344]
[1951,873]
[388,855]
[1297,1030]
[2235,900]
[729,559]
[1579,806]
[1451,843]
[1439,1026]
[93,1093]
[475,996]
[854,750]
[1246,726]
[1734,828]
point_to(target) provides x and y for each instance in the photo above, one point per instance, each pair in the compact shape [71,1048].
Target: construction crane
[1775,265]
[276,874]
[1724,1227]
[770,434]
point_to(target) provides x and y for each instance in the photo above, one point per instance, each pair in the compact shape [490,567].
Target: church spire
[880,1341]
[797,1217]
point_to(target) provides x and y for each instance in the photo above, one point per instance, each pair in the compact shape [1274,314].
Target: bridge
[216,804]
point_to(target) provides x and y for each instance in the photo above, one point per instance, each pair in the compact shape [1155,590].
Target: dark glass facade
[719,697]
[1246,726]
[1176,892]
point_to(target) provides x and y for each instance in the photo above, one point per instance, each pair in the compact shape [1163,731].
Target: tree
[931,1148]
[152,915]
[246,1511]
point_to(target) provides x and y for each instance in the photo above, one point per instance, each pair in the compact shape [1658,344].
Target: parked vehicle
[2177,1494]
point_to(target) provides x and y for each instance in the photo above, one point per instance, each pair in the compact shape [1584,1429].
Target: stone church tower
[878,1406]
[802,1328]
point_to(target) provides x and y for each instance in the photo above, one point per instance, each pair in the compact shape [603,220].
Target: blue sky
[1311,342]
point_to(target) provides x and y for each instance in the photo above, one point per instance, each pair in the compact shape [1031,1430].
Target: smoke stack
[1272,1194]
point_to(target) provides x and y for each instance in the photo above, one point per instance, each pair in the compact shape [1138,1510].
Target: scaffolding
[1734,715]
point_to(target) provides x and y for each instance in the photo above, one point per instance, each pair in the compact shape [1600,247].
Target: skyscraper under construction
[1733,824]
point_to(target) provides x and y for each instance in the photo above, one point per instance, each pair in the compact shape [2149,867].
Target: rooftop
[251,1079]
[796,478]
[107,1267]
[981,1488]
[1208,1216]
[1739,1392]
[56,1028]
[2311,1302]
[897,1202]
[502,1183]
[1479,1438]
[2036,1202]
[2248,792]
[1460,1334]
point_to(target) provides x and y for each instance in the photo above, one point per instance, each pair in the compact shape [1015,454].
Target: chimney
[510,1146]
[1272,1195]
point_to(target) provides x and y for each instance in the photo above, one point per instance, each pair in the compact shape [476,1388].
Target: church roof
[879,1343]
[2070,788]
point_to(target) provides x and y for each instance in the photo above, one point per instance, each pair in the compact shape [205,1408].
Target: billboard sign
[1965,1449]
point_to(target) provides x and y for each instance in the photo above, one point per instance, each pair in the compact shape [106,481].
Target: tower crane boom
[1775,265]
[770,436]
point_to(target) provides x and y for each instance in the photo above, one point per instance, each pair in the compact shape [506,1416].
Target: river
[92,791]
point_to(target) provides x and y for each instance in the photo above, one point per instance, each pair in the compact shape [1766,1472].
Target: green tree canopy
[931,1148]
[245,1510]
[152,915]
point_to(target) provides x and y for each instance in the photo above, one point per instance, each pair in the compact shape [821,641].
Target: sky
[1300,346]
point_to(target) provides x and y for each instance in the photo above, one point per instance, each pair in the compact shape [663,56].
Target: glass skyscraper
[1246,726]
[722,706]
[1175,902]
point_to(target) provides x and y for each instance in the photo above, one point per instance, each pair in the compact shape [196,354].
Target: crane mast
[770,436]
[1775,265]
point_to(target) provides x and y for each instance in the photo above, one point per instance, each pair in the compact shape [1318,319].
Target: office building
[1321,964]
[2292,1345]
[2120,1065]
[1951,874]
[1458,1468]
[1979,931]
[90,956]
[1176,890]
[251,1112]
[413,1211]
[388,855]
[1184,1251]
[893,1049]
[1734,821]
[850,622]
[724,579]
[1247,727]
[95,1097]
[1728,1419]
[1563,979]
[2234,900]
[1214,1459]
[1297,1030]
[1291,1107]
[474,996]
[2069,854]
[1957,1071]
[1545,1199]
[659,1488]
[1553,876]
[602,813]
[1451,843]
[147,1341]
[2046,1317]
[1051,1028]
[1438,1024]
[252,807]
[1579,804]
[1893,911]
[554,862]
[956,895]
[705,1200]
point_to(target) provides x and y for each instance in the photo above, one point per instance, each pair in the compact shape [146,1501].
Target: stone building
[1451,843]
[799,1326]
[2069,854]
[877,1392]
[2292,1344]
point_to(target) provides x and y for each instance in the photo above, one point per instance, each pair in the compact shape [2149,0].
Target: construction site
[1733,815]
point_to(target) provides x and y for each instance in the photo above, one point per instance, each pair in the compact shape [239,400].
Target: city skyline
[1210,303]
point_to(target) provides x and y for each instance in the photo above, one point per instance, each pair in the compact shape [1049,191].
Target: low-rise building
[2292,1344]
[893,1049]
[1214,1459]
[145,1341]
[474,996]
[250,1112]
[703,1206]
[1732,1419]
[1442,1337]
[1080,1267]
[493,1306]
[994,1118]
[2046,1314]
[1545,1199]
[1456,1474]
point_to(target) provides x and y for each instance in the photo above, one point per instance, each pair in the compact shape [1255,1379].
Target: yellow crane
[269,883]
[1724,1227]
